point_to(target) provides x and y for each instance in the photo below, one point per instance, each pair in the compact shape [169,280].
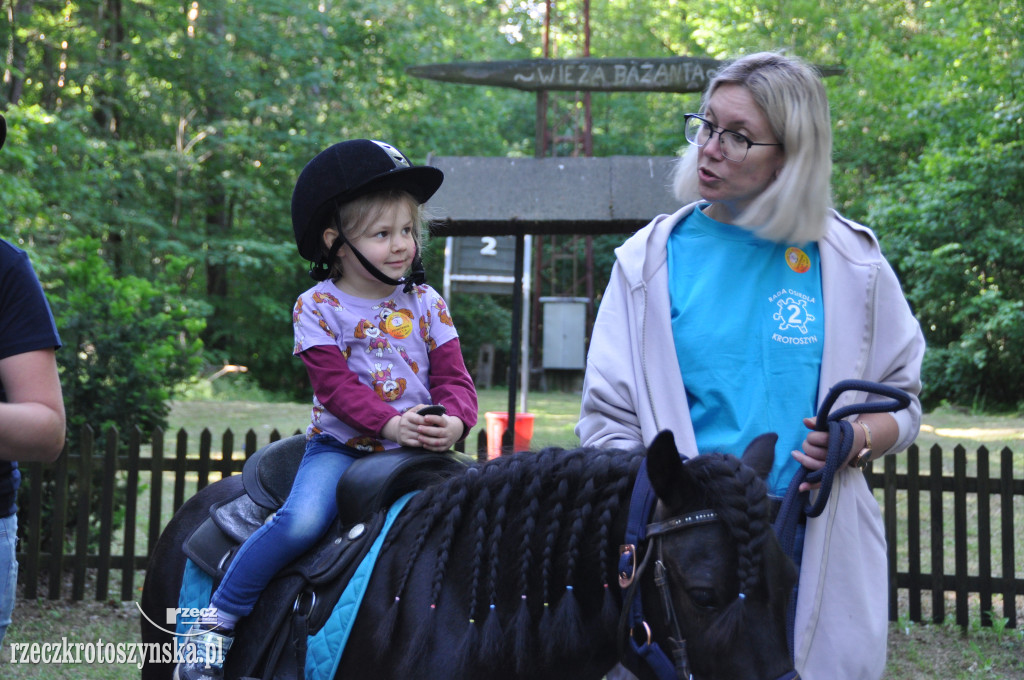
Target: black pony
[510,570]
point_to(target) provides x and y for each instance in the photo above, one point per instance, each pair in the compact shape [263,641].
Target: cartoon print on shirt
[317,416]
[386,387]
[442,313]
[323,325]
[425,332]
[321,297]
[296,314]
[409,360]
[395,322]
[378,342]
[366,444]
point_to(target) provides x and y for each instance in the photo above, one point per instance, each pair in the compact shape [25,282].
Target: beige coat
[870,334]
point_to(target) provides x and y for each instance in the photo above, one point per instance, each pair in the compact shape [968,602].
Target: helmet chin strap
[416,276]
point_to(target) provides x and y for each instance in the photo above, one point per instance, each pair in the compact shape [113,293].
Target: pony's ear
[760,454]
[669,478]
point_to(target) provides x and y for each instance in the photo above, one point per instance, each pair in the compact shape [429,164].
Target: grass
[948,652]
[916,651]
[89,622]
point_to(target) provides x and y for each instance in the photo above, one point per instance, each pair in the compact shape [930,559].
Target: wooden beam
[673,74]
[604,74]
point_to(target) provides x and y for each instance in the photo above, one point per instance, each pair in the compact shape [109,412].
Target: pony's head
[725,583]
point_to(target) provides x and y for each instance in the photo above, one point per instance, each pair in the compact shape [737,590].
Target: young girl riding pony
[379,346]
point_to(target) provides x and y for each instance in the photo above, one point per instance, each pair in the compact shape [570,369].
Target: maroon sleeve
[451,385]
[341,392]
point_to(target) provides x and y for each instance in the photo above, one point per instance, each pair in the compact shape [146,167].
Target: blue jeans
[307,513]
[8,570]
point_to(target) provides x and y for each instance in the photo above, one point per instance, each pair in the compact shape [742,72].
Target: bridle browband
[636,641]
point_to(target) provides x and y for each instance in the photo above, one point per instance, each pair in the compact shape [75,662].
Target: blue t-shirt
[748,324]
[26,325]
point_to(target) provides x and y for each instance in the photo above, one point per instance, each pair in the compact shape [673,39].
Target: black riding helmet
[345,171]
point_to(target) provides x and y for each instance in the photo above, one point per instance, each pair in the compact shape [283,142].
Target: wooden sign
[627,74]
[481,264]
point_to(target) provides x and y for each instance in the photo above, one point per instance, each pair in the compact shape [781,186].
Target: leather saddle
[300,598]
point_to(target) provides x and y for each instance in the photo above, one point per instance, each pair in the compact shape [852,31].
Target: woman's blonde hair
[357,215]
[794,208]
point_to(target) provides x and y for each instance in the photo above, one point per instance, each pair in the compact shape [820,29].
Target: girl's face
[731,186]
[388,242]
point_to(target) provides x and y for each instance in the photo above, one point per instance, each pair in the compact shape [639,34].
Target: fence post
[984,538]
[113,442]
[180,459]
[130,515]
[203,473]
[1006,512]
[226,450]
[84,481]
[914,531]
[30,567]
[251,443]
[960,532]
[156,491]
[935,505]
[891,531]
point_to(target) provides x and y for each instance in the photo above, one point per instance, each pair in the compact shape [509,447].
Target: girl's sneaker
[203,653]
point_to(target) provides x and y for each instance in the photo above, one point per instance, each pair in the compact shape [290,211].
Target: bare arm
[32,421]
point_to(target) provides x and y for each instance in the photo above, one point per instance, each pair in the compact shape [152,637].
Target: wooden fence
[974,569]
[987,516]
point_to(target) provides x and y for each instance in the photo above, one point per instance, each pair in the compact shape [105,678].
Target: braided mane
[740,497]
[531,536]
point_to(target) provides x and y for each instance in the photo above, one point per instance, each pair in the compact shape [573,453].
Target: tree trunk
[18,14]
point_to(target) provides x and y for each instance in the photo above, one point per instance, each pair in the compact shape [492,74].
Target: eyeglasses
[735,146]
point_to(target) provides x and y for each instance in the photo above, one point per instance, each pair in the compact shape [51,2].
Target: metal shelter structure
[483,196]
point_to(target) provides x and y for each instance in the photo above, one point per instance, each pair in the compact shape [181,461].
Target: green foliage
[483,319]
[952,224]
[174,141]
[127,341]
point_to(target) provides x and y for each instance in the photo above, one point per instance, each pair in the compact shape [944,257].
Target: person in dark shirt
[32,422]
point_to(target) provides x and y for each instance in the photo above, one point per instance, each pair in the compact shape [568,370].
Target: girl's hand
[431,432]
[438,432]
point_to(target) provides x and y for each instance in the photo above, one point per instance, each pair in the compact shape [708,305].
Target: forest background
[154,145]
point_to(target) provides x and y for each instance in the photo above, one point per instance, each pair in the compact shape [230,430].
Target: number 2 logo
[798,316]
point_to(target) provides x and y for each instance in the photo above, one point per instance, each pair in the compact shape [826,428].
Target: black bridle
[634,633]
[635,637]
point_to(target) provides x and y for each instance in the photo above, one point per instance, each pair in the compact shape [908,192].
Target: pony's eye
[702,597]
